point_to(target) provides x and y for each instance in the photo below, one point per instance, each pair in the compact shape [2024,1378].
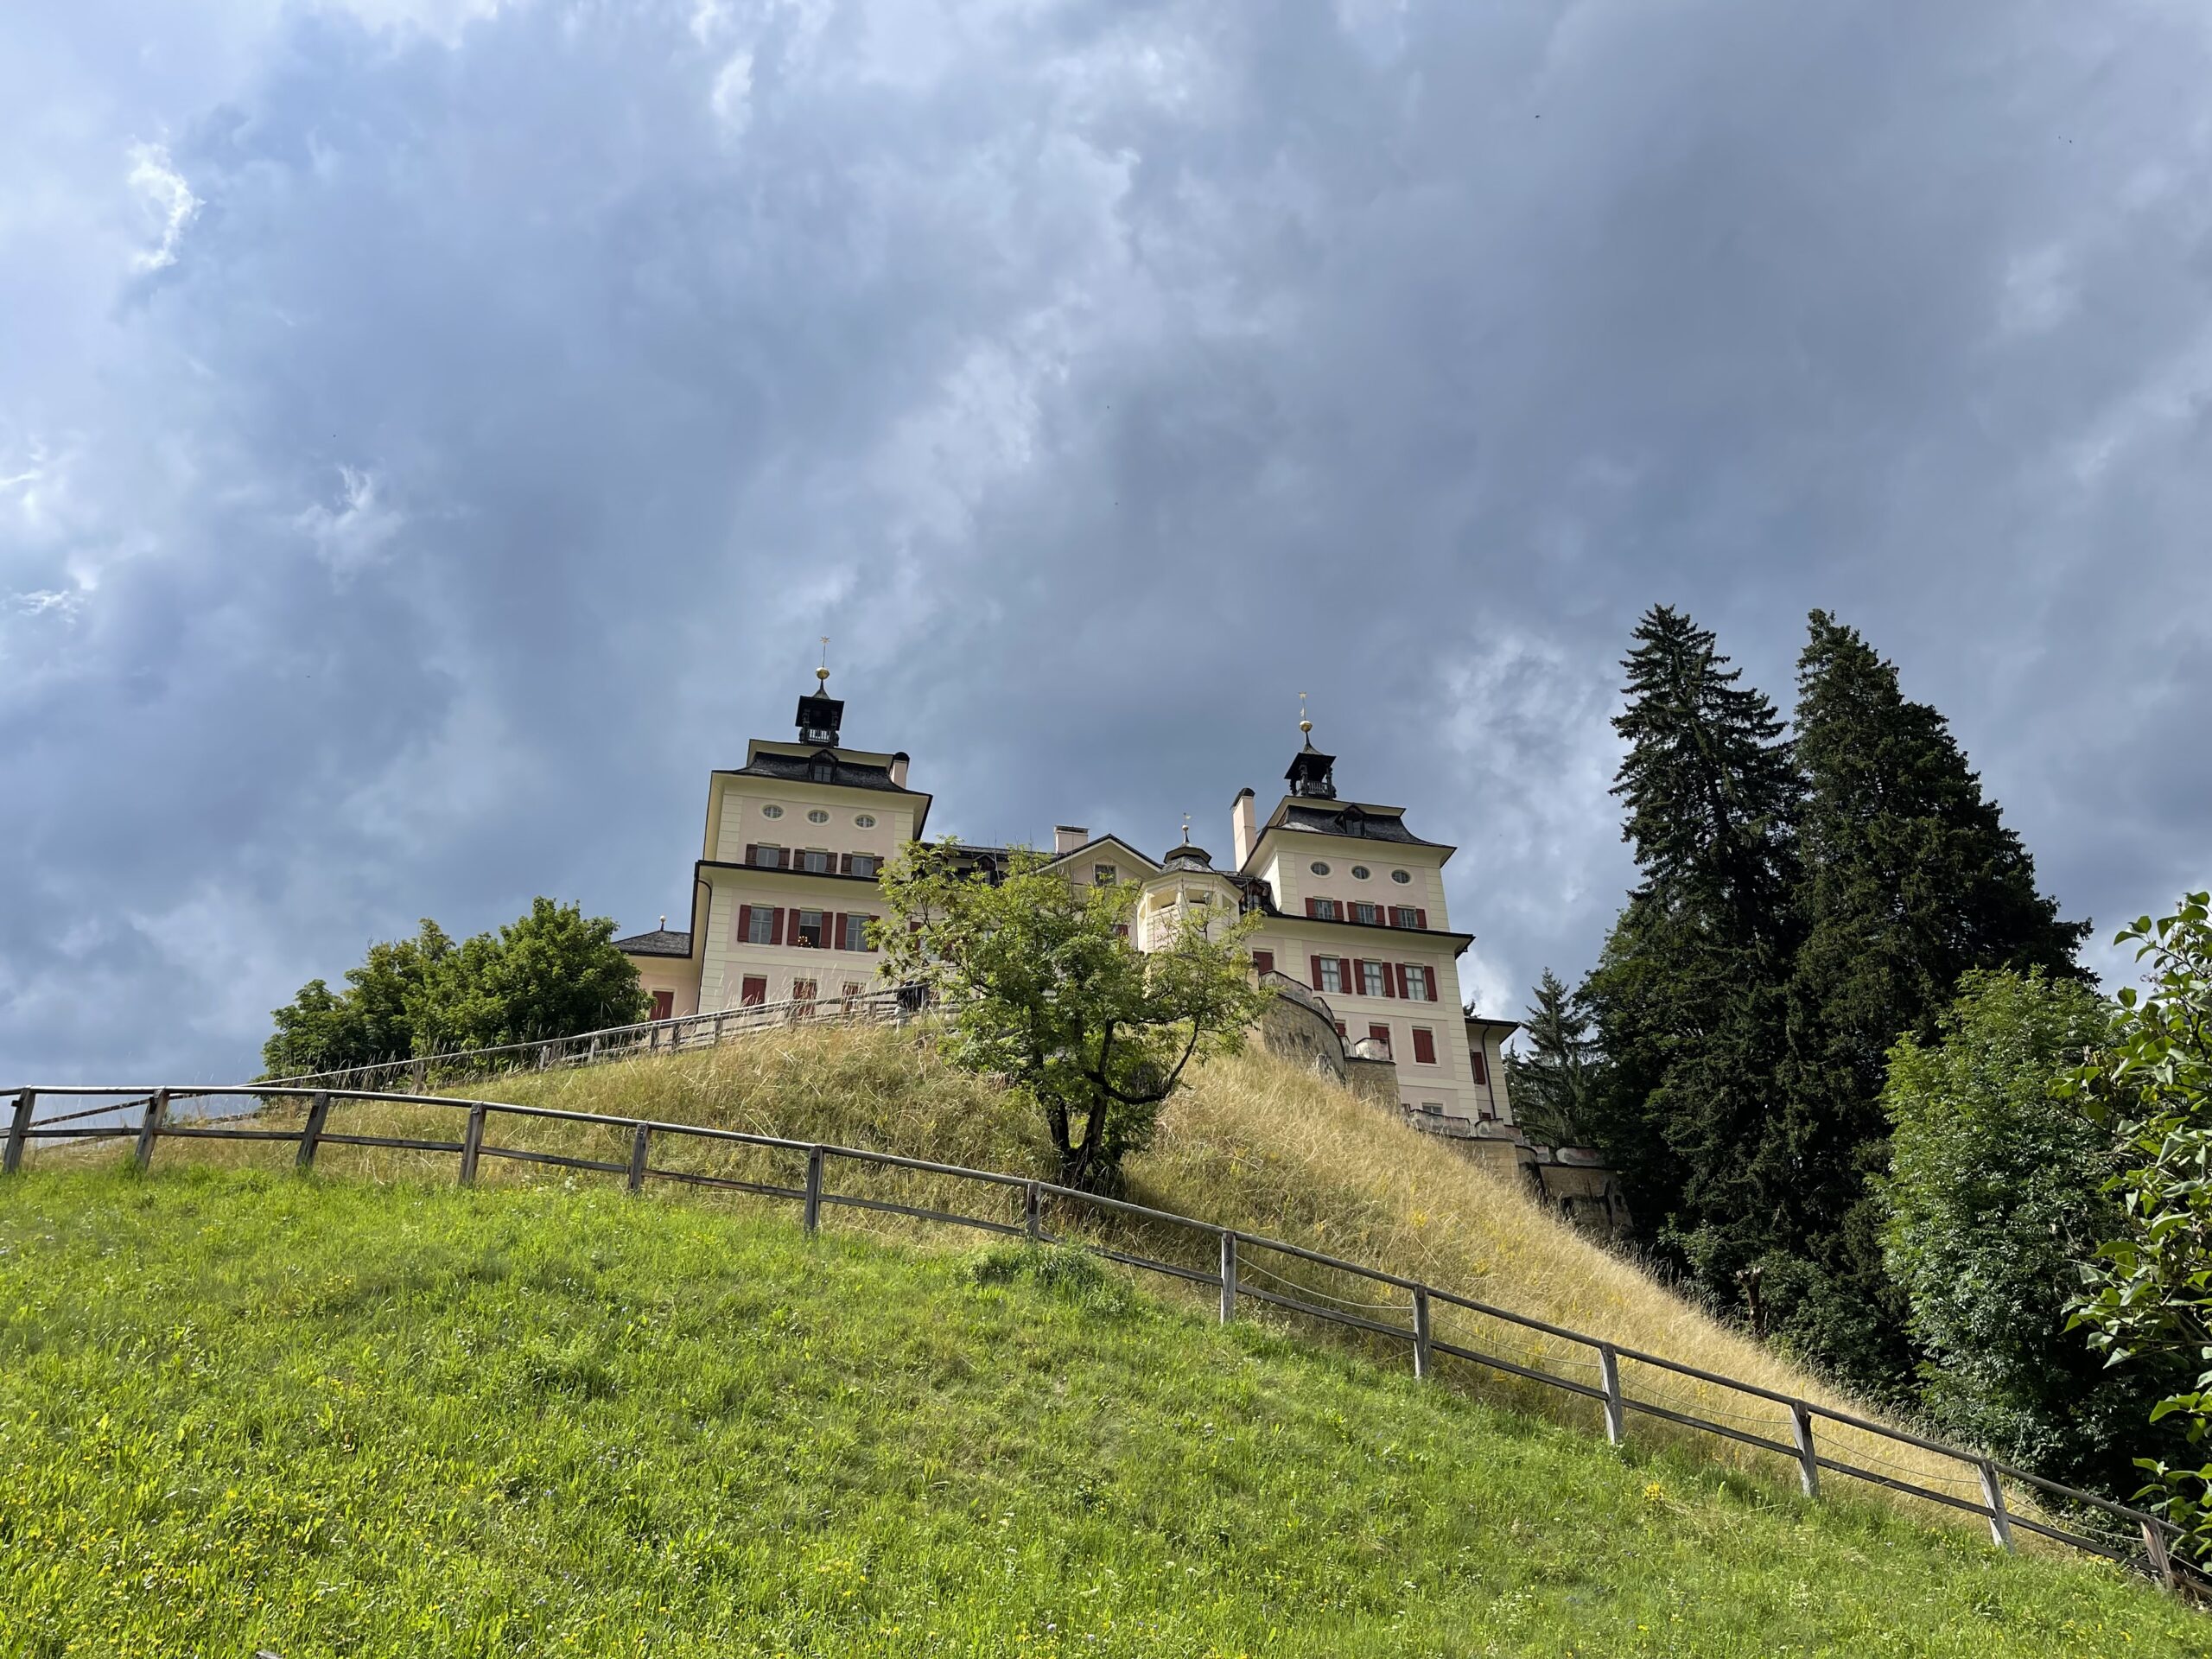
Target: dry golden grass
[1255,1143]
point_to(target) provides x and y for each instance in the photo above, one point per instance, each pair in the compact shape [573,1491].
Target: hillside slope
[248,1413]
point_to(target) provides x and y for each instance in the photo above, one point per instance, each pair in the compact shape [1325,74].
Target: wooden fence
[1225,1259]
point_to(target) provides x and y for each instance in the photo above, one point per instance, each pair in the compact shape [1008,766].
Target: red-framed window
[1264,962]
[1366,914]
[760,925]
[1323,910]
[852,931]
[1404,916]
[1374,979]
[1380,1034]
[1419,983]
[803,990]
[1424,1045]
[753,990]
[1482,1067]
[808,927]
[1329,976]
[663,1005]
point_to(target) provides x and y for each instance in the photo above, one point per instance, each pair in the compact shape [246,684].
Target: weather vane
[822,674]
[1304,724]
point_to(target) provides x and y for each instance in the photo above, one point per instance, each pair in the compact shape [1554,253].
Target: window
[865,864]
[760,925]
[772,811]
[1371,915]
[1380,1036]
[1374,979]
[1417,983]
[854,932]
[753,991]
[1424,1045]
[808,929]
[821,771]
[814,859]
[1433,1107]
[1404,916]
[1482,1067]
[1400,877]
[768,857]
[1328,974]
[663,1005]
[1340,1031]
[1318,868]
[1104,876]
[818,816]
[864,820]
[803,992]
[1323,910]
[1360,872]
[1264,962]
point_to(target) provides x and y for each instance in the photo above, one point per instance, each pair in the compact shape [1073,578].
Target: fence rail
[2139,1540]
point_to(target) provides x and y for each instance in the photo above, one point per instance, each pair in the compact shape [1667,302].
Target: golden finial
[822,674]
[1304,724]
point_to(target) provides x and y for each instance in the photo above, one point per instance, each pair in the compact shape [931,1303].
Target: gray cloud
[442,433]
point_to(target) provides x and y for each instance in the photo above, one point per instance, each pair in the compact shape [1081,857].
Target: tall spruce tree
[1556,1080]
[1689,997]
[1910,880]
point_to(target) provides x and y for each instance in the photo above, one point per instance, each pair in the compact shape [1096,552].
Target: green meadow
[245,1412]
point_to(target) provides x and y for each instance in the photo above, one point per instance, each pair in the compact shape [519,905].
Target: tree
[2149,1293]
[1555,1082]
[1995,1195]
[1909,880]
[551,972]
[1041,986]
[1688,997]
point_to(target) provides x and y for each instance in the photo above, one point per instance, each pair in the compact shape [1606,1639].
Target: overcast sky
[433,434]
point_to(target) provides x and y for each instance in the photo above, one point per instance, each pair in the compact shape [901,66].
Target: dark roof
[800,769]
[660,942]
[1350,818]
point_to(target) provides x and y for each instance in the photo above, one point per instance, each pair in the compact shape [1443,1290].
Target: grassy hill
[240,1411]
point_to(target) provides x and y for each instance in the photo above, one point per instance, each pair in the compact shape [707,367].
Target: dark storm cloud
[438,441]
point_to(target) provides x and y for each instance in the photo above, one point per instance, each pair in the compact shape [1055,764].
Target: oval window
[865,820]
[1360,872]
[818,816]
[1318,868]
[772,811]
[1400,877]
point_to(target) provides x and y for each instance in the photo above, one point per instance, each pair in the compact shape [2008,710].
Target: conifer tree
[1910,880]
[1688,998]
[1555,1082]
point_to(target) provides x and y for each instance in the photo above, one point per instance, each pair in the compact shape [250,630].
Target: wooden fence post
[638,1139]
[1808,1464]
[1033,1223]
[1420,1331]
[1609,1372]
[157,1111]
[1228,1275]
[420,1075]
[471,1144]
[2000,1524]
[2162,1564]
[19,1130]
[318,1114]
[814,1190]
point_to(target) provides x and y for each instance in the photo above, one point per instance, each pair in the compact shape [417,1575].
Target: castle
[1354,929]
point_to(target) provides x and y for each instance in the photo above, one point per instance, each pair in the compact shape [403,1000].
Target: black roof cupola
[1311,773]
[820,714]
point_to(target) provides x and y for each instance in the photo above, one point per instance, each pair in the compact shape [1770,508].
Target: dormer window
[823,768]
[1105,875]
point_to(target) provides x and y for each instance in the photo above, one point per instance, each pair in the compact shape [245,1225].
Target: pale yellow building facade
[1351,901]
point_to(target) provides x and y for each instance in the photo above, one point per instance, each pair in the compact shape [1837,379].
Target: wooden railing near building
[2130,1536]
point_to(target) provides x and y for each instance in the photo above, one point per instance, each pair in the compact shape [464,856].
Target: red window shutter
[1424,1045]
[1420,920]
[1264,962]
[751,853]
[1317,969]
[744,923]
[1402,979]
[776,926]
[844,863]
[1432,984]
[1482,1066]
[1311,909]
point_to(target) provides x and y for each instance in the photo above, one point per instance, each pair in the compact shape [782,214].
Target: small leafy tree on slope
[2150,1291]
[1041,987]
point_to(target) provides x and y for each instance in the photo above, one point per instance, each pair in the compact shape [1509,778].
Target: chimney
[1066,837]
[1245,822]
[899,769]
